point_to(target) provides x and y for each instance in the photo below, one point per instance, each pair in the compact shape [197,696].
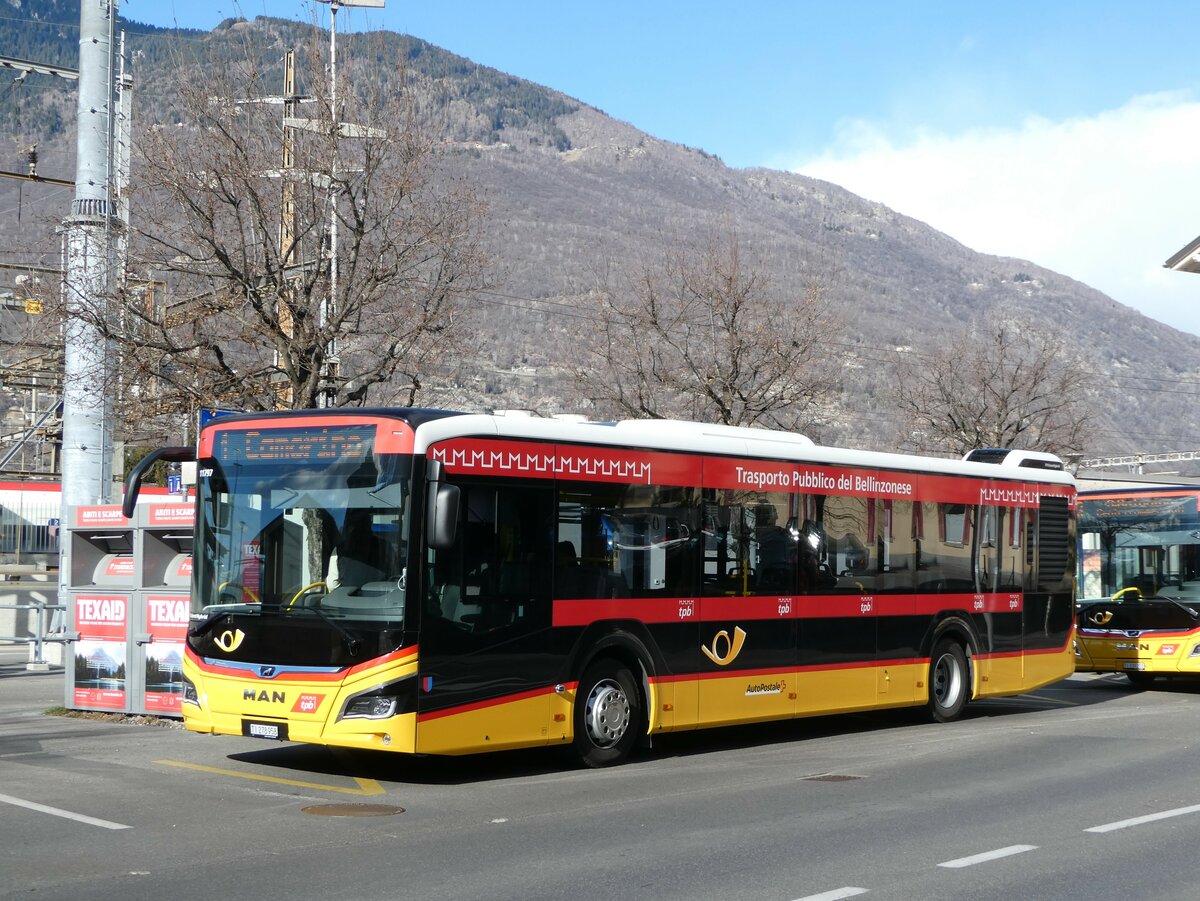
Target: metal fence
[28,526]
[43,625]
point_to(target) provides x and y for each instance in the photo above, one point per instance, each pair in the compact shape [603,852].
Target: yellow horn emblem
[1101,618]
[733,646]
[229,641]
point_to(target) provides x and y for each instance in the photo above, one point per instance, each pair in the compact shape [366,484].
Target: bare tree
[233,214]
[703,335]
[31,360]
[999,384]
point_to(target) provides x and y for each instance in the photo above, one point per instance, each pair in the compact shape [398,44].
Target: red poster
[166,620]
[108,515]
[100,653]
[172,514]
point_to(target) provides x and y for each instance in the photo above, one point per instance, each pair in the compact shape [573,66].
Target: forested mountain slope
[574,193]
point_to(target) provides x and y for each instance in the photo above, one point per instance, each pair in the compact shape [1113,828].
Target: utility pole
[287,223]
[329,377]
[290,263]
[88,267]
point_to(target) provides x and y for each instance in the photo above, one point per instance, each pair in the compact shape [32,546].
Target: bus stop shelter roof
[1186,259]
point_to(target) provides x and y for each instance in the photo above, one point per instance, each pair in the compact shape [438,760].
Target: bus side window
[899,546]
[946,551]
[752,544]
[628,540]
[488,580]
[851,555]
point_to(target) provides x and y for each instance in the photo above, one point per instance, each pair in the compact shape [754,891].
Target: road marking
[1149,818]
[65,814]
[836,895]
[986,856]
[366,787]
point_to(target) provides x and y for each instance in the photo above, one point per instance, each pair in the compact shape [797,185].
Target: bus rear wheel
[608,714]
[948,681]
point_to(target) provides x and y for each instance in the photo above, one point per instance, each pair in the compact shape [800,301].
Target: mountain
[572,191]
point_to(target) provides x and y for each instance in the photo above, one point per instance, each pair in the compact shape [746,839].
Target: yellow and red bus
[1140,580]
[440,583]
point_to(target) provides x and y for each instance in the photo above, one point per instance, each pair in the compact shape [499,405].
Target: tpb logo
[307,703]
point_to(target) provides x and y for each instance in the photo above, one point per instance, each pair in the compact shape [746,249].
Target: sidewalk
[23,691]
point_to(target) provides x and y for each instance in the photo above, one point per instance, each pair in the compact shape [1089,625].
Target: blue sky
[1066,133]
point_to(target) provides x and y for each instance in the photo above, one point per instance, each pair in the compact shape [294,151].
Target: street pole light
[329,307]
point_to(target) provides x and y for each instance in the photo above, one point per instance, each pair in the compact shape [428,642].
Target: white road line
[1149,818]
[58,812]
[986,856]
[836,895]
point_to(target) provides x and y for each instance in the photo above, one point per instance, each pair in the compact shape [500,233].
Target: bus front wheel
[1140,681]
[608,713]
[948,681]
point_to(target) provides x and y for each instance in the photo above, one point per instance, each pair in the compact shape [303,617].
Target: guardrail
[39,639]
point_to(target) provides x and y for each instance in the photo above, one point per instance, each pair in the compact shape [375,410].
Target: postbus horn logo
[229,641]
[733,646]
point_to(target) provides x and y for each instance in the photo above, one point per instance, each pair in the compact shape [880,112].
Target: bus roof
[693,437]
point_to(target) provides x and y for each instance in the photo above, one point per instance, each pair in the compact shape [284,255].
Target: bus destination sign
[296,444]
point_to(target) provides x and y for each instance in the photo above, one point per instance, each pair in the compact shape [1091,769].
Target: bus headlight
[189,692]
[382,701]
[370,707]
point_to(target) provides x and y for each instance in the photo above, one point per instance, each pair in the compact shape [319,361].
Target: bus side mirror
[443,516]
[133,484]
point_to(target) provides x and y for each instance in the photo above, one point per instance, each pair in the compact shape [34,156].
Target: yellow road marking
[366,787]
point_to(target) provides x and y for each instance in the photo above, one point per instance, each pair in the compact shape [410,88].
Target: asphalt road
[1085,789]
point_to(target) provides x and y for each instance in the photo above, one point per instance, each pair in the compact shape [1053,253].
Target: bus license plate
[272,731]
[1135,667]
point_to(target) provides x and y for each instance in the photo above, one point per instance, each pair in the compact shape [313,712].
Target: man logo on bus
[733,646]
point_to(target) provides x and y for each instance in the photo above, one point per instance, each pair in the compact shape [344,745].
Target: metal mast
[88,247]
[329,378]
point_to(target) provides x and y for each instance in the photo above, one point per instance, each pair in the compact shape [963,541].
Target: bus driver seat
[358,557]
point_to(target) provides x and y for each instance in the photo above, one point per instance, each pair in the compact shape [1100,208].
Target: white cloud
[1104,200]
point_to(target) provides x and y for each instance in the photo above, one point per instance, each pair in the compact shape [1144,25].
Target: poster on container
[171,515]
[100,678]
[109,515]
[166,620]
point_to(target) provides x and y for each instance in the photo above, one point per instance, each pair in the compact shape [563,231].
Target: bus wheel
[608,712]
[948,682]
[1140,681]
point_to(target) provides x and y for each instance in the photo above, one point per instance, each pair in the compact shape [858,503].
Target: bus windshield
[292,522]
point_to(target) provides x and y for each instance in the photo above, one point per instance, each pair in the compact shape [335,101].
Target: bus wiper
[213,615]
[1190,611]
[352,643]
